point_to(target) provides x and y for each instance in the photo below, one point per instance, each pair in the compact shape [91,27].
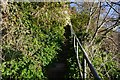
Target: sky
[111,14]
[93,0]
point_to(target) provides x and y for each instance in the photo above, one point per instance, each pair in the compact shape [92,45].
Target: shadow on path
[58,68]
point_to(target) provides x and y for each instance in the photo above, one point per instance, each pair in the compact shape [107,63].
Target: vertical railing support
[84,67]
[74,41]
[79,65]
[77,44]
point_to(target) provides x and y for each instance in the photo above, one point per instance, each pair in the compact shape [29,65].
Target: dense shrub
[34,34]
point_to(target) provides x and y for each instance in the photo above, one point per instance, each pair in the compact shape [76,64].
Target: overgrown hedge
[33,36]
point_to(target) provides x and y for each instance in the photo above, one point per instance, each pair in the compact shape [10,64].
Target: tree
[99,30]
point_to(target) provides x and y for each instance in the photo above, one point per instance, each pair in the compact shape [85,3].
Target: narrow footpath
[58,69]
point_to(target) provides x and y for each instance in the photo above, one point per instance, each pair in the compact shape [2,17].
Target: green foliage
[34,35]
[103,60]
[73,70]
[106,66]
[35,32]
[23,68]
[79,21]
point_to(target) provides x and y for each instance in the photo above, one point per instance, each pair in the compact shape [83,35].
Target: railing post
[85,58]
[84,67]
[77,51]
[74,41]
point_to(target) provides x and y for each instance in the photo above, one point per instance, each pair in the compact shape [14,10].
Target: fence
[86,60]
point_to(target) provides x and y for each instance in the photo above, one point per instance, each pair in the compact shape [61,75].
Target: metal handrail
[85,57]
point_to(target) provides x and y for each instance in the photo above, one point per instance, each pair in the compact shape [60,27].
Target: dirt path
[58,69]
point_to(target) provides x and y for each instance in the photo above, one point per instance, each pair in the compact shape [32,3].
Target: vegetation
[33,35]
[100,45]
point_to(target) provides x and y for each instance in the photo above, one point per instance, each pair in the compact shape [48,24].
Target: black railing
[86,60]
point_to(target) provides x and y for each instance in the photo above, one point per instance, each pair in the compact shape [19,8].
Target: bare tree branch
[113,8]
[90,14]
[99,26]
[111,40]
[116,3]
[94,11]
[113,26]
